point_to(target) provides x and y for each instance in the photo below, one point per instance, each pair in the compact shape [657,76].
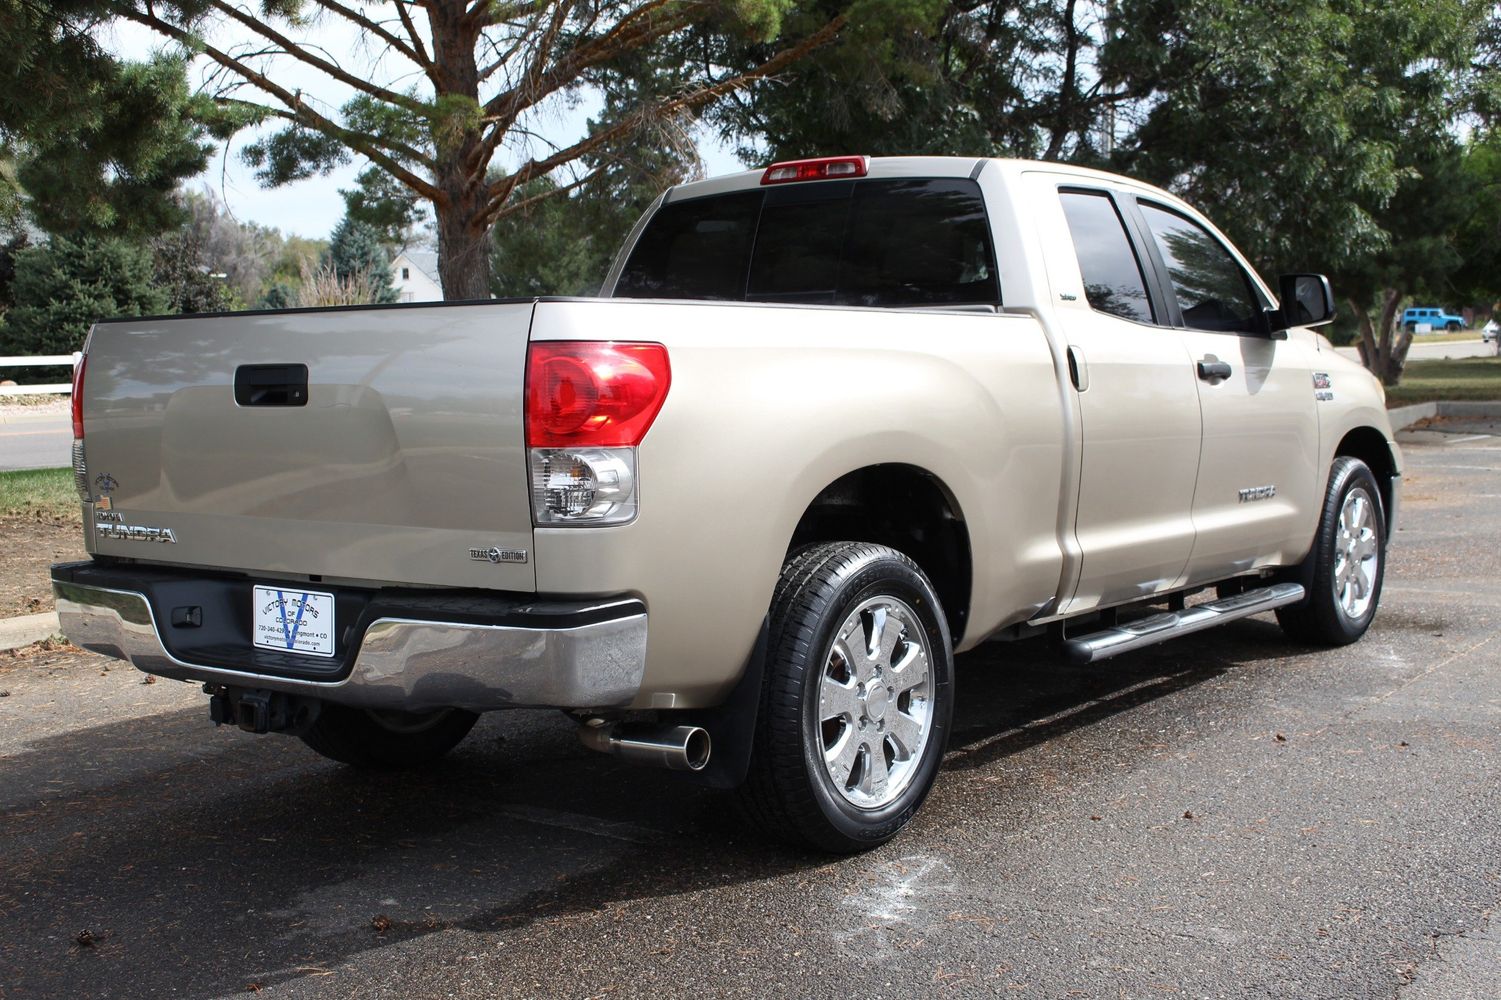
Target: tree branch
[483,13]
[506,106]
[300,112]
[375,28]
[301,54]
[502,189]
[502,111]
[423,59]
[526,203]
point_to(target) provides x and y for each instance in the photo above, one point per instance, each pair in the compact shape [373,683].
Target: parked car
[1436,319]
[831,423]
[1488,332]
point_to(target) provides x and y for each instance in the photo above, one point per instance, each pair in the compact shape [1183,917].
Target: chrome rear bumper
[403,663]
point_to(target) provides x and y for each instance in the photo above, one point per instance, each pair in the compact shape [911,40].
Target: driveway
[1230,815]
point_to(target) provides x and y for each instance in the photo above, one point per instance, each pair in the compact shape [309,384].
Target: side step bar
[1171,624]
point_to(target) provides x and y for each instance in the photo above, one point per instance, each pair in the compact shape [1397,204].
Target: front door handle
[1209,371]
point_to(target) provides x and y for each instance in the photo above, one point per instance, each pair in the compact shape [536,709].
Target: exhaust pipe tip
[677,748]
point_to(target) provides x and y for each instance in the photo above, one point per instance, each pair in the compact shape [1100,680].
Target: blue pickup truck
[1436,319]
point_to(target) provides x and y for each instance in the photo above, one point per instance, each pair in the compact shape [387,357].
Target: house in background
[414,273]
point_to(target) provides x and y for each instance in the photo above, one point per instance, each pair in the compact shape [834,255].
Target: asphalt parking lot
[1227,816]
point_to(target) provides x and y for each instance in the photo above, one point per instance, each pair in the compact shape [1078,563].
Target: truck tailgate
[404,463]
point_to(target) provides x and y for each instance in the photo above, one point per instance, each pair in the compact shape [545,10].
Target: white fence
[47,359]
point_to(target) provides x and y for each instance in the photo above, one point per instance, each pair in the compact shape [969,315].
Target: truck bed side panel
[769,405]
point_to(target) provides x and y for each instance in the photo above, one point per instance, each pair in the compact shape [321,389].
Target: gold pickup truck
[829,424]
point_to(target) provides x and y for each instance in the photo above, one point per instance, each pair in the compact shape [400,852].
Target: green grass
[1445,338]
[39,492]
[1462,378]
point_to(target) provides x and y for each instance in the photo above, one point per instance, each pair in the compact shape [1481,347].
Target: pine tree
[61,288]
[355,253]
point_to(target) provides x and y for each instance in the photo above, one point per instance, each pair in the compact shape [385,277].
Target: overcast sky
[313,207]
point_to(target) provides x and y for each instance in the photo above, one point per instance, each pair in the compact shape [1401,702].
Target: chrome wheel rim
[1357,555]
[875,706]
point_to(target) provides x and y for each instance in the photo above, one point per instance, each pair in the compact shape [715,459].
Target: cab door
[1136,398]
[1258,482]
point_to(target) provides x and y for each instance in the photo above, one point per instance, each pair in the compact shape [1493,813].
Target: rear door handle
[1211,370]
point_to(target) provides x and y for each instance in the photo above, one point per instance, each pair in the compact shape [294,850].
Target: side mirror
[1307,300]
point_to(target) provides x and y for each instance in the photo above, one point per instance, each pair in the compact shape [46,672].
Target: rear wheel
[1451,326]
[857,699]
[1347,562]
[387,741]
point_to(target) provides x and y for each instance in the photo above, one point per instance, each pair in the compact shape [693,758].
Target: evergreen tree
[62,288]
[95,144]
[355,253]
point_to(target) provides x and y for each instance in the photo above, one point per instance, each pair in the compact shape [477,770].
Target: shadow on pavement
[203,862]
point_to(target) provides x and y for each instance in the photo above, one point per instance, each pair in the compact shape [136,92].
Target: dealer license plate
[293,621]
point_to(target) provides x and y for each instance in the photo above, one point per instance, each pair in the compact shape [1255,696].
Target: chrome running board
[1171,624]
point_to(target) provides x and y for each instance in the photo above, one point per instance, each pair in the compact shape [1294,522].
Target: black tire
[1324,617]
[1451,326]
[386,741]
[790,792]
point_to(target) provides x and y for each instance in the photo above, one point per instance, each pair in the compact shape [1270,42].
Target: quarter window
[1213,292]
[1113,281]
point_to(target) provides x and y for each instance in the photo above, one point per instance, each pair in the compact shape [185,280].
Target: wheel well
[1369,445]
[907,509]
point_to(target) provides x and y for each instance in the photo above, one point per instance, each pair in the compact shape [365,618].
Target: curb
[23,631]
[1403,417]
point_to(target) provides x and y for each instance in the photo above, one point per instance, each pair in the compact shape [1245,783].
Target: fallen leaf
[150,679]
[1281,738]
[380,923]
[84,939]
[1187,814]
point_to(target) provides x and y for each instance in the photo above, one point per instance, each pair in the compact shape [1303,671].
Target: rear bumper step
[1171,624]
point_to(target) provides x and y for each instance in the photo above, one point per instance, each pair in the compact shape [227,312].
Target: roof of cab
[880,167]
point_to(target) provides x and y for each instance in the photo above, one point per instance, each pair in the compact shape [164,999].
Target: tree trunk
[1383,347]
[463,263]
[463,250]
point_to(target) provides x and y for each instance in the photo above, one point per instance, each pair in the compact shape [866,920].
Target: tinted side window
[696,249]
[1211,289]
[1113,281]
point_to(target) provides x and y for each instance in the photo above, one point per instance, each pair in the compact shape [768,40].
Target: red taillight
[824,168]
[593,393]
[78,397]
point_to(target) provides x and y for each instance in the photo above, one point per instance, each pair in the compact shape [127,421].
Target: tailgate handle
[271,385]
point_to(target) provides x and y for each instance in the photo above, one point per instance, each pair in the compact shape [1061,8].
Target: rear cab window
[871,242]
